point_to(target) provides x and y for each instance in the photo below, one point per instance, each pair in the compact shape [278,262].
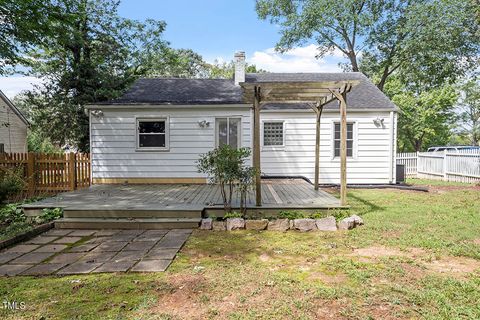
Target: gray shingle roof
[223,91]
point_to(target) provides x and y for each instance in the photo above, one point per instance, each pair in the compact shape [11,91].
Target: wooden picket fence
[459,166]
[50,173]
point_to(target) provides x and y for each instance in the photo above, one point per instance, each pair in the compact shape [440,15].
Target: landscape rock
[304,224]
[358,220]
[235,224]
[219,225]
[350,222]
[326,224]
[206,224]
[278,225]
[256,224]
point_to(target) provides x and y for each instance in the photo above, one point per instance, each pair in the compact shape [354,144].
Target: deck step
[132,213]
[123,223]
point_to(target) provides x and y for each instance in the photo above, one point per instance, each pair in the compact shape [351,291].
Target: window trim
[239,133]
[354,137]
[139,119]
[262,133]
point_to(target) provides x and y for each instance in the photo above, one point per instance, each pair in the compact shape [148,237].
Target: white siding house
[13,127]
[159,128]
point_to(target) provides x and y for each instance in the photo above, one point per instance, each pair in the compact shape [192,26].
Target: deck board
[276,193]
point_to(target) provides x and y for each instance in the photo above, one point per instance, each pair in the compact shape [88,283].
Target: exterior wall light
[379,122]
[97,113]
[203,123]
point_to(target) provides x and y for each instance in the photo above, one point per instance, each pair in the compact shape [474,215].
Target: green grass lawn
[417,256]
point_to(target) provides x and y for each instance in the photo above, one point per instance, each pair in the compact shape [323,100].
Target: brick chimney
[239,60]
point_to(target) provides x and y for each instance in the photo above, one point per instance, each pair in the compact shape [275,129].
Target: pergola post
[318,113]
[256,147]
[342,99]
[343,149]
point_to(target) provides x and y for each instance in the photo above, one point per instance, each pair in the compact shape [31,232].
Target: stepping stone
[140,246]
[151,235]
[84,247]
[32,258]
[58,232]
[67,258]
[115,266]
[170,242]
[161,254]
[13,269]
[155,233]
[81,233]
[8,256]
[130,232]
[43,269]
[23,248]
[51,248]
[68,240]
[79,268]
[111,246]
[184,231]
[103,233]
[99,240]
[42,239]
[98,256]
[122,237]
[128,256]
[151,265]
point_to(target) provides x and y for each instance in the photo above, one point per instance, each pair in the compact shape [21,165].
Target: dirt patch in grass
[331,309]
[330,279]
[453,265]
[182,301]
[377,252]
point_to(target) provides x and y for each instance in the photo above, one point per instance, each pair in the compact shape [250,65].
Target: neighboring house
[13,127]
[158,129]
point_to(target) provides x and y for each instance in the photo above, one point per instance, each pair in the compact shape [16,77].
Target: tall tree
[426,118]
[92,58]
[470,111]
[435,39]
[24,24]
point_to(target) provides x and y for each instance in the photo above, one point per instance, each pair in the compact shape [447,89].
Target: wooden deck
[277,195]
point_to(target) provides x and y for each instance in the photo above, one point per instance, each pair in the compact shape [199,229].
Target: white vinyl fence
[409,160]
[460,166]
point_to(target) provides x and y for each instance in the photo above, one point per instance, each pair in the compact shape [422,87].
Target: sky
[215,29]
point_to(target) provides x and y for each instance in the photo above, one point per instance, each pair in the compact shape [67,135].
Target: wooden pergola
[316,94]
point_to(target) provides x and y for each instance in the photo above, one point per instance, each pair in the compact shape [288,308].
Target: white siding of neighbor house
[13,131]
[114,154]
[372,155]
[113,141]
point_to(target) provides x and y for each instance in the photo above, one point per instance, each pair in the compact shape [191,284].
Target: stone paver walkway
[71,251]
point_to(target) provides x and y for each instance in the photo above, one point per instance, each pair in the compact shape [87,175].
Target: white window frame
[262,130]
[152,119]
[354,137]
[239,133]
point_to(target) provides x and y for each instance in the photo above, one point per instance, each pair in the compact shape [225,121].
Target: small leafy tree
[226,167]
[245,183]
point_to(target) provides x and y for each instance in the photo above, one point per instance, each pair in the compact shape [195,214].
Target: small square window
[152,134]
[273,134]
